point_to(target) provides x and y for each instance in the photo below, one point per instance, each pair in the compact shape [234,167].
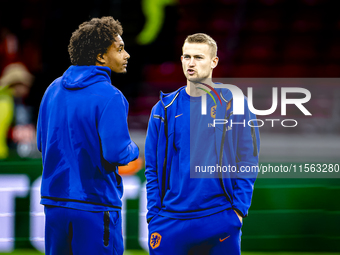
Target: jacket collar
[167,99]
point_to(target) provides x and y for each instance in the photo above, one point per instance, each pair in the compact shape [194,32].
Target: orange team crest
[228,105]
[213,112]
[155,240]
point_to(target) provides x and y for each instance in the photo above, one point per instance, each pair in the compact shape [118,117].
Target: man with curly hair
[83,135]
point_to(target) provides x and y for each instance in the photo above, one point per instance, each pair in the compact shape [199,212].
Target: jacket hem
[57,199]
[195,213]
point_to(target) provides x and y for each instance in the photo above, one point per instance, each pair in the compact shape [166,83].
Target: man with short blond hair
[190,212]
[203,39]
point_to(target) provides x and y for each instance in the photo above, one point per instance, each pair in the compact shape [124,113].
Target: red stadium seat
[333,52]
[168,75]
[222,71]
[189,2]
[187,25]
[300,49]
[221,21]
[259,48]
[307,22]
[227,2]
[327,71]
[270,2]
[251,70]
[312,2]
[292,70]
[168,71]
[265,21]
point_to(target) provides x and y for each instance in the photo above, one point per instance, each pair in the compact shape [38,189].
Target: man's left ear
[100,59]
[214,62]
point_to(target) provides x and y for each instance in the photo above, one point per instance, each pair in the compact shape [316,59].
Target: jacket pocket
[236,218]
[106,228]
[118,178]
[151,220]
[110,218]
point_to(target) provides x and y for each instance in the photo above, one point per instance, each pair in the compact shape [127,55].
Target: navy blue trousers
[218,234]
[70,231]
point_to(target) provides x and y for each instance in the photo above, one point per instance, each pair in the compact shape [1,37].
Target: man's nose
[192,62]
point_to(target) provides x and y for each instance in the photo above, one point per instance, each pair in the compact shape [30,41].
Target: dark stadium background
[256,39]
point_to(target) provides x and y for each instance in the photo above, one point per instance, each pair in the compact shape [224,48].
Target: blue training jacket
[238,146]
[83,135]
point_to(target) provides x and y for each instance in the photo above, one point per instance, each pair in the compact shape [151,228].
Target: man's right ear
[100,59]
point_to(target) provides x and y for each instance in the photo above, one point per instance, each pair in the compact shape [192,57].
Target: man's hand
[239,216]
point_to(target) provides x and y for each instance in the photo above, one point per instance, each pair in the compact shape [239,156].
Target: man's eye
[186,57]
[199,57]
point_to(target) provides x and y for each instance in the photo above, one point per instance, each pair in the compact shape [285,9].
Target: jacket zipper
[166,144]
[253,135]
[106,228]
[166,153]
[221,153]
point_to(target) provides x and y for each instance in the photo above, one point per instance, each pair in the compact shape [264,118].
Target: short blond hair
[203,38]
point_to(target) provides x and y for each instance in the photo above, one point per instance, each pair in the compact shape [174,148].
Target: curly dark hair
[92,38]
